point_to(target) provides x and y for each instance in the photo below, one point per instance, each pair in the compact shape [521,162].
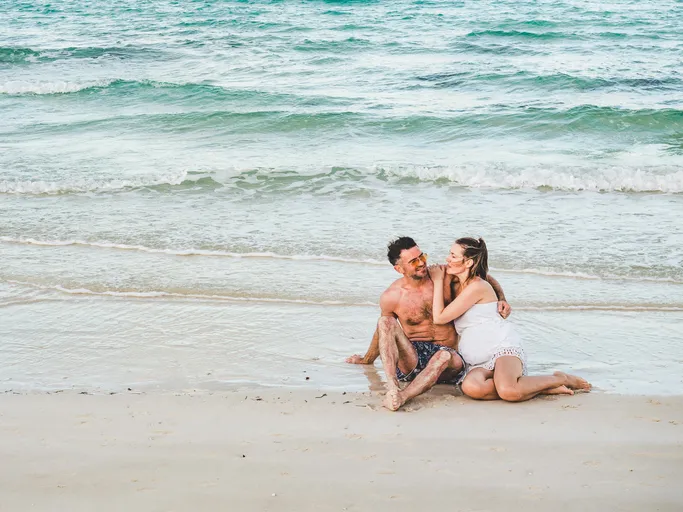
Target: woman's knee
[471,389]
[509,392]
[475,389]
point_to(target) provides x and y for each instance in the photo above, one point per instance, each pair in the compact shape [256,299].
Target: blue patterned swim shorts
[425,351]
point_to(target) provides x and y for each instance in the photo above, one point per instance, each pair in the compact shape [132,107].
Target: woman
[489,345]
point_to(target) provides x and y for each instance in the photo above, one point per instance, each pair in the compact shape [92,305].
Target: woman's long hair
[475,249]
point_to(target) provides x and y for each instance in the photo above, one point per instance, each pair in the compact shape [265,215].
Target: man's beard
[417,277]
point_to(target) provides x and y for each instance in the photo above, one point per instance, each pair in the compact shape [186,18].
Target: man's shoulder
[394,290]
[396,287]
[392,295]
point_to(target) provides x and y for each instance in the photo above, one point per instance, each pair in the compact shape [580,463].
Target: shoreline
[105,352]
[281,449]
[440,390]
[374,383]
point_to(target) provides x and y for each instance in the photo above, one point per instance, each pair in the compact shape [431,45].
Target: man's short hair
[396,246]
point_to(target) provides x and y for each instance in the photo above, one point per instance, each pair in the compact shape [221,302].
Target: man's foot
[574,382]
[393,401]
[560,390]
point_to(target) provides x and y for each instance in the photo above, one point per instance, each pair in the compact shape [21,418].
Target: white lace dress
[485,336]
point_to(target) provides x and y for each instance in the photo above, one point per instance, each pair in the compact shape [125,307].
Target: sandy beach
[275,449]
[196,202]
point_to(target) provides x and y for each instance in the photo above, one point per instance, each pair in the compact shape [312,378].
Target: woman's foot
[560,390]
[574,382]
[393,401]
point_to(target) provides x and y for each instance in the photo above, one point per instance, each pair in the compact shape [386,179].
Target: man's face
[412,263]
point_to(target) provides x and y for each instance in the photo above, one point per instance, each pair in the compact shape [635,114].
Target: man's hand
[356,359]
[504,308]
[437,272]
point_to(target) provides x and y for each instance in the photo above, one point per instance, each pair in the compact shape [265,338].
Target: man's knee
[386,324]
[509,392]
[441,358]
[457,362]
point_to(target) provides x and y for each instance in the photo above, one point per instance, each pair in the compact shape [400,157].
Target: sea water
[199,194]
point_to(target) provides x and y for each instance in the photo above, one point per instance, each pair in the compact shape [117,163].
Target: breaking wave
[658,179]
[40,187]
[611,179]
[21,87]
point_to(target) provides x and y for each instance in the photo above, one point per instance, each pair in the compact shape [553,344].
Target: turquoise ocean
[198,194]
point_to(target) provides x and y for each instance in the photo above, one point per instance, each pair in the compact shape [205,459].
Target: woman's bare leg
[562,390]
[479,385]
[513,387]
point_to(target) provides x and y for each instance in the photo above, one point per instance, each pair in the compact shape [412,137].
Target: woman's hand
[437,272]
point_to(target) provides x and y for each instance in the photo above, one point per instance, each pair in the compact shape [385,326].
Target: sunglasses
[420,260]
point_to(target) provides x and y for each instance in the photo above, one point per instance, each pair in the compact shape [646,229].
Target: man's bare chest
[415,307]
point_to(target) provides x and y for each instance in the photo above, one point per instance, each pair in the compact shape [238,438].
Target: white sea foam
[192,252]
[667,179]
[157,294]
[598,307]
[81,186]
[607,179]
[581,275]
[20,87]
[21,302]
[311,257]
[154,294]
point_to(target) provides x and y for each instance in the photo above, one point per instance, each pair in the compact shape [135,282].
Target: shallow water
[199,195]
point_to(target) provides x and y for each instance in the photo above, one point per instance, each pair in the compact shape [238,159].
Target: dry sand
[279,450]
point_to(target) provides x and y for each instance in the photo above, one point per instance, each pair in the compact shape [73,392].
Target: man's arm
[370,355]
[387,304]
[503,307]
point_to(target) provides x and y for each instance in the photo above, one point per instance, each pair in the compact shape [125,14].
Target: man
[411,347]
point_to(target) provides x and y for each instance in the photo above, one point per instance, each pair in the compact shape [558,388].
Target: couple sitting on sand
[421,312]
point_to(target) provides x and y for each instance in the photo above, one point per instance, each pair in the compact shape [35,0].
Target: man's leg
[425,380]
[395,350]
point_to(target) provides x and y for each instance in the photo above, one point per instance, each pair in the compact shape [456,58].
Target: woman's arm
[464,301]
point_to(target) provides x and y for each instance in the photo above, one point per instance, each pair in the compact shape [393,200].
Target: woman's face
[455,261]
